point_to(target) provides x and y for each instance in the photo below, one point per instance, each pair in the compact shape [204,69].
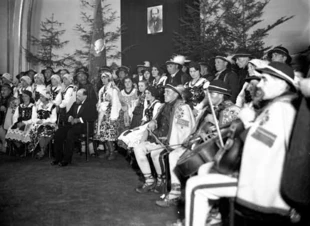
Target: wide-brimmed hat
[280,50]
[178,89]
[146,64]
[219,87]
[222,57]
[178,60]
[280,70]
[242,53]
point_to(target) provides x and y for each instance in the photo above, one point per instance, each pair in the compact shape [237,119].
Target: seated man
[266,143]
[226,112]
[171,127]
[82,110]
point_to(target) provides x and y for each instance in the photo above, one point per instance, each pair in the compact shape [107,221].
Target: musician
[172,126]
[82,110]
[226,112]
[263,155]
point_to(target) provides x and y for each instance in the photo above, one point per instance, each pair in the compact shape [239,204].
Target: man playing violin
[226,112]
[267,140]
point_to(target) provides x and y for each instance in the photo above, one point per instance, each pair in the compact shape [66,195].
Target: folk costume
[47,127]
[174,124]
[258,188]
[26,114]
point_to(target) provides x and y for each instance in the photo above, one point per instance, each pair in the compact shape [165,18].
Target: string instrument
[227,158]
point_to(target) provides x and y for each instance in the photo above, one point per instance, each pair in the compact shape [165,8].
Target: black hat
[280,50]
[154,91]
[220,87]
[28,93]
[178,89]
[82,70]
[105,68]
[242,53]
[123,68]
[280,70]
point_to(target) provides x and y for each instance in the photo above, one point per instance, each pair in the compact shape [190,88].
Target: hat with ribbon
[280,50]
[178,60]
[222,57]
[280,70]
[219,86]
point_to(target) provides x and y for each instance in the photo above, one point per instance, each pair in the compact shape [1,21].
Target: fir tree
[212,27]
[86,31]
[47,44]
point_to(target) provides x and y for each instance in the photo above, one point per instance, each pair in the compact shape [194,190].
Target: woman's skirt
[40,131]
[19,134]
[108,130]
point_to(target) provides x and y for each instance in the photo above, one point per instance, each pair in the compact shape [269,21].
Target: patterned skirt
[40,131]
[108,130]
[19,134]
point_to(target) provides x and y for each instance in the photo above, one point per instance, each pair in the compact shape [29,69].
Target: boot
[111,151]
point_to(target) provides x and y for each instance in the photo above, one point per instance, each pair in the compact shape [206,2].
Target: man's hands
[73,120]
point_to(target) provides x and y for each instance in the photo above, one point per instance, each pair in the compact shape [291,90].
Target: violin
[227,158]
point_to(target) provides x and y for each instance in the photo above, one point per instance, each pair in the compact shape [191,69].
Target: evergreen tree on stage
[47,44]
[210,27]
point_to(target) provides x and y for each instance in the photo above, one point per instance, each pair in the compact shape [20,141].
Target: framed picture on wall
[155,19]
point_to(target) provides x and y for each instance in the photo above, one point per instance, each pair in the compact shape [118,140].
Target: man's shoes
[54,163]
[146,187]
[63,164]
[166,202]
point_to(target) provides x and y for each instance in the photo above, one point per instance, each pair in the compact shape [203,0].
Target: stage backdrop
[138,42]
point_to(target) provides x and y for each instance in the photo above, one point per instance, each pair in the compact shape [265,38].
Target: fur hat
[27,79]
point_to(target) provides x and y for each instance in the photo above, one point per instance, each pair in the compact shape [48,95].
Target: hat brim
[242,55]
[289,58]
[168,86]
[253,77]
[171,62]
[219,90]
[282,76]
[222,58]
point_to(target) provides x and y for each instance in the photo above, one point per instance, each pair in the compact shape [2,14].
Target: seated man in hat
[225,74]
[226,112]
[242,58]
[266,142]
[82,111]
[172,126]
[176,75]
[279,54]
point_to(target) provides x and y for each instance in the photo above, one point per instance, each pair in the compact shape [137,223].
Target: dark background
[139,46]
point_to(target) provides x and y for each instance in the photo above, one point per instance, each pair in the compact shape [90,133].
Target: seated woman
[137,113]
[131,138]
[147,75]
[25,115]
[25,84]
[44,128]
[55,89]
[108,107]
[38,86]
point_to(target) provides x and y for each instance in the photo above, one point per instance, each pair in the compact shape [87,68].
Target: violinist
[258,186]
[226,112]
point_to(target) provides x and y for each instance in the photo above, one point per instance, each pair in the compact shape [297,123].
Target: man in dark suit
[176,75]
[82,111]
[155,24]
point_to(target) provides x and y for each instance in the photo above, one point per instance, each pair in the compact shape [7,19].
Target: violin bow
[215,119]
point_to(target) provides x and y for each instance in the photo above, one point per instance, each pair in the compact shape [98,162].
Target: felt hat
[280,50]
[122,68]
[280,70]
[178,60]
[222,57]
[103,69]
[219,87]
[178,89]
[242,53]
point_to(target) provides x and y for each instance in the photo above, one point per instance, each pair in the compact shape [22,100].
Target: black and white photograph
[155,19]
[154,113]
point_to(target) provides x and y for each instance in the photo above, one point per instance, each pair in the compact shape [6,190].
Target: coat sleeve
[116,105]
[233,81]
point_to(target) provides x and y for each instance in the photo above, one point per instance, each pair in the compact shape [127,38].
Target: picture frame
[155,19]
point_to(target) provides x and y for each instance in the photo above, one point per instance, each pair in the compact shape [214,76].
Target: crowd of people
[171,111]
